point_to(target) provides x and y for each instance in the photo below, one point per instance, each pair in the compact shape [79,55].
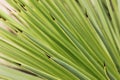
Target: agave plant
[61,40]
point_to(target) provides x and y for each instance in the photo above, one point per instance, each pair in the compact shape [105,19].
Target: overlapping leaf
[63,39]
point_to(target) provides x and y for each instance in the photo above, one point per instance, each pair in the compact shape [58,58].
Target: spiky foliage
[61,40]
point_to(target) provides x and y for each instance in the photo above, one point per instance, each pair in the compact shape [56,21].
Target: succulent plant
[61,40]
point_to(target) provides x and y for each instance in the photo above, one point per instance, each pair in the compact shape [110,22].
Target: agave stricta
[61,40]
